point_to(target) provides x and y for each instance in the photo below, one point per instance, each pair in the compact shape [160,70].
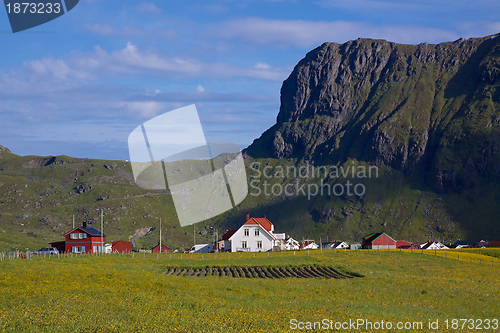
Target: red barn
[121,247]
[164,249]
[401,244]
[379,240]
[84,240]
[495,243]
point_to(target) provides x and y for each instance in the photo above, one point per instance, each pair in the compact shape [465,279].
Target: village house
[429,245]
[334,245]
[224,245]
[292,244]
[257,234]
[121,247]
[164,249]
[379,240]
[495,243]
[84,239]
[309,244]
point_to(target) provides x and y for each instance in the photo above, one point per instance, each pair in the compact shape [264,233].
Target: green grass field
[129,293]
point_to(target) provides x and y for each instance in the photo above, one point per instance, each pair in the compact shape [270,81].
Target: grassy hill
[40,195]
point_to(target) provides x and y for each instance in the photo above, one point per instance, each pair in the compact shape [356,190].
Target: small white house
[292,244]
[310,246]
[335,245]
[256,235]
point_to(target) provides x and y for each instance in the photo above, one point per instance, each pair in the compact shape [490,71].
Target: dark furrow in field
[322,273]
[248,274]
[259,272]
[281,272]
[311,272]
[273,273]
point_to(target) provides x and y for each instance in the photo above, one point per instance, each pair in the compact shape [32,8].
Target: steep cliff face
[431,111]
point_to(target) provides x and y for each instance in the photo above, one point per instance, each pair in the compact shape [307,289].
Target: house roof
[157,245]
[228,234]
[263,222]
[372,237]
[120,241]
[89,230]
[495,243]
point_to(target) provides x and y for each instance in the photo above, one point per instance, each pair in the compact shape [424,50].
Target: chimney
[85,224]
[248,217]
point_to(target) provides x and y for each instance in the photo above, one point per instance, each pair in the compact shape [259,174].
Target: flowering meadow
[130,293]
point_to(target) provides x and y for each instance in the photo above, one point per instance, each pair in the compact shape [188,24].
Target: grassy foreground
[125,293]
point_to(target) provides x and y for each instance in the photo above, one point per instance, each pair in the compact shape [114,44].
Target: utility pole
[194,234]
[102,227]
[73,221]
[160,236]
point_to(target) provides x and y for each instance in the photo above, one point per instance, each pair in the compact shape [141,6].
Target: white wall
[239,236]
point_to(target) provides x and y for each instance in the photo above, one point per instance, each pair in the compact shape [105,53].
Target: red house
[164,249]
[84,240]
[121,247]
[495,243]
[379,240]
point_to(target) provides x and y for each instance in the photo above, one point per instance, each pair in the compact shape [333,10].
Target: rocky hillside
[427,115]
[431,110]
[40,195]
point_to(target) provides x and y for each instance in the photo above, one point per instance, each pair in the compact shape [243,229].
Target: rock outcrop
[432,111]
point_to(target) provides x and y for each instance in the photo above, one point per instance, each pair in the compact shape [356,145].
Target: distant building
[257,234]
[84,240]
[335,245]
[224,245]
[379,240]
[164,249]
[495,243]
[401,244]
[121,246]
[480,244]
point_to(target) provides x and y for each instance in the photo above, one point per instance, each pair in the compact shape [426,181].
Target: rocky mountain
[427,115]
[426,110]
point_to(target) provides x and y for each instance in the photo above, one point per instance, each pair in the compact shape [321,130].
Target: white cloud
[147,109]
[148,7]
[262,65]
[200,88]
[130,60]
[311,33]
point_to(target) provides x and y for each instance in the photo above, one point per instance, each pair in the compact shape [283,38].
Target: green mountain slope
[40,195]
[428,115]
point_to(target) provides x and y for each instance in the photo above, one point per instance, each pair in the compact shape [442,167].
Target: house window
[246,232]
[78,236]
[259,244]
[244,244]
[78,249]
[257,232]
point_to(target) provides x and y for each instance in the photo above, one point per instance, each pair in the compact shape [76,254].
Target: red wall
[121,247]
[383,240]
[157,249]
[88,242]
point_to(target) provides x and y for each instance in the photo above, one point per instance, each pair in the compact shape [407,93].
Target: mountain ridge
[390,104]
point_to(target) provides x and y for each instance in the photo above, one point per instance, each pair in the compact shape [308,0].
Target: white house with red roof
[257,234]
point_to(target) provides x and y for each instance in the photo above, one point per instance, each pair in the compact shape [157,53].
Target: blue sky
[80,84]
